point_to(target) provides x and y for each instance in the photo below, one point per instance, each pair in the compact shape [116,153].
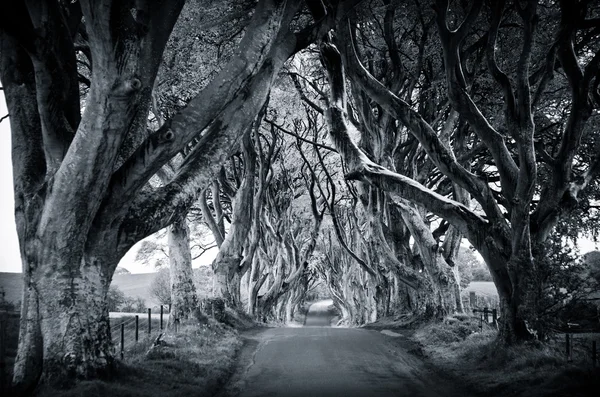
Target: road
[325,361]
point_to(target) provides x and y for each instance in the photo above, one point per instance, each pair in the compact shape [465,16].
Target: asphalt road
[320,314]
[326,361]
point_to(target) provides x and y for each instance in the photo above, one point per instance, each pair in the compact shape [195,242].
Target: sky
[10,259]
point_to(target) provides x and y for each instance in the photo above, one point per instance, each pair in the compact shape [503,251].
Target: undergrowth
[197,360]
[458,347]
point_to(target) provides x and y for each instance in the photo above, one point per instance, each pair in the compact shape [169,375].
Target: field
[132,285]
[484,288]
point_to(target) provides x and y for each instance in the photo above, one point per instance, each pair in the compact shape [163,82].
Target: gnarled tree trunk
[183,291]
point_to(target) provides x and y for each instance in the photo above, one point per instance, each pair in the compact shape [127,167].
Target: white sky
[10,259]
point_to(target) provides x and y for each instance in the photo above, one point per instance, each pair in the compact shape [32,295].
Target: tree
[121,270]
[592,262]
[510,221]
[82,196]
[133,305]
[471,268]
[115,299]
[160,288]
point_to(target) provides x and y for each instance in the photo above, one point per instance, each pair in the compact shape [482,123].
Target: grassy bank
[457,348]
[197,360]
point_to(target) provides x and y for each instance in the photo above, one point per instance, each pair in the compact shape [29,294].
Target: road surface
[320,314]
[326,361]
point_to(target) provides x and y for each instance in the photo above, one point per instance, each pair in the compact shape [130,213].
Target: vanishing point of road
[319,360]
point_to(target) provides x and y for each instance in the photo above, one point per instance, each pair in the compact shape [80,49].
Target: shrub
[160,288]
[133,305]
[214,307]
[115,299]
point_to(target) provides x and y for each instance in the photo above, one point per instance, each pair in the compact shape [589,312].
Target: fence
[579,344]
[474,301]
[127,330]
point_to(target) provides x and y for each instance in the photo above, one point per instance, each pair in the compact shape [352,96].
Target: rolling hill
[132,285]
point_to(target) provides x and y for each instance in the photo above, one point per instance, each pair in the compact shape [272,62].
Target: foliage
[452,329]
[470,267]
[122,270]
[592,264]
[133,305]
[214,307]
[203,280]
[161,286]
[196,359]
[115,299]
[565,284]
[481,273]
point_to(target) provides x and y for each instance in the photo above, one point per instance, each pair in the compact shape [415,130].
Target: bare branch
[288,132]
[439,153]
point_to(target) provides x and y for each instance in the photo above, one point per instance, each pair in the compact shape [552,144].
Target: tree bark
[227,266]
[77,216]
[183,291]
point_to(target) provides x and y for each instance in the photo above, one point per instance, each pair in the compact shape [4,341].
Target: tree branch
[362,168]
[268,26]
[462,103]
[439,153]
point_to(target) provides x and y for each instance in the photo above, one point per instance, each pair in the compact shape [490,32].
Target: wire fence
[579,344]
[128,329]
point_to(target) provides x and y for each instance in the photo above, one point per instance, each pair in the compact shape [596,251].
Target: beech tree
[507,223]
[81,173]
[404,278]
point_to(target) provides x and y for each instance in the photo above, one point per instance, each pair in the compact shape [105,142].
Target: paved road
[320,314]
[325,361]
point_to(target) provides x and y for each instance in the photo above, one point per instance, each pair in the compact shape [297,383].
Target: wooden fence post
[472,300]
[161,317]
[122,339]
[495,317]
[486,315]
[137,327]
[3,382]
[149,321]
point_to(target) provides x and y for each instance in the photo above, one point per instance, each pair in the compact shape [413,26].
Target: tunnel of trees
[352,143]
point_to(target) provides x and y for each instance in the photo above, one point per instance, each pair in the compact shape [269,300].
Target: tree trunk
[183,292]
[519,311]
[65,332]
[227,264]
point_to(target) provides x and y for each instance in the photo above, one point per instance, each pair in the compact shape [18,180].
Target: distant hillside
[132,285]
[136,286]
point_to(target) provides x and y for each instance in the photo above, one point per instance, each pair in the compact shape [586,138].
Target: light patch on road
[321,306]
[391,333]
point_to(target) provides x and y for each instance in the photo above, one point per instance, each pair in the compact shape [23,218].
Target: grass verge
[458,348]
[197,360]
